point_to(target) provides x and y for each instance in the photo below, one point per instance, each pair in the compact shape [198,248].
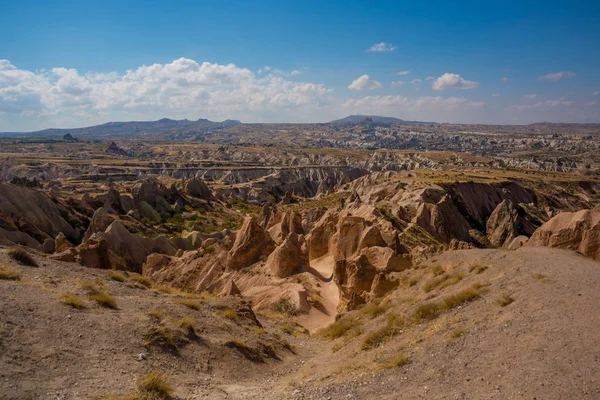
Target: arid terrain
[355,259]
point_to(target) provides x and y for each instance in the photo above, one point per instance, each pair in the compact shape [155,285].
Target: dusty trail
[322,268]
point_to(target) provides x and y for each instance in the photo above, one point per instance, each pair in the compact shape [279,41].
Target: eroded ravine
[316,319]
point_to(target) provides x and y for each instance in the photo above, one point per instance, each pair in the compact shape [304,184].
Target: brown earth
[542,345]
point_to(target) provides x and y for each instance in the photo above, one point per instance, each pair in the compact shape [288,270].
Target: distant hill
[162,129]
[353,119]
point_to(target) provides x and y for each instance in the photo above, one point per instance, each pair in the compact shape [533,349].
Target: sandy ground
[330,294]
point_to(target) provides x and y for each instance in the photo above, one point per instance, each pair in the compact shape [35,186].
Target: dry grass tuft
[154,385]
[477,268]
[443,281]
[9,274]
[230,314]
[161,287]
[104,299]
[142,280]
[187,324]
[116,276]
[505,300]
[92,287]
[437,270]
[158,315]
[397,361]
[464,296]
[164,337]
[194,305]
[285,306]
[342,327]
[70,299]
[395,323]
[22,257]
[458,332]
[374,310]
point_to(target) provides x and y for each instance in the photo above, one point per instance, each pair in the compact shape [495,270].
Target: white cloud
[540,105]
[495,94]
[505,79]
[402,73]
[596,93]
[398,83]
[416,81]
[453,81]
[530,96]
[364,83]
[556,76]
[382,48]
[430,78]
[591,103]
[181,88]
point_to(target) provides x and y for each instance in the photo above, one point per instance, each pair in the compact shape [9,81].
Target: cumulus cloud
[398,83]
[495,94]
[430,78]
[505,79]
[556,76]
[364,83]
[596,93]
[402,73]
[530,96]
[180,88]
[453,81]
[591,103]
[416,81]
[382,48]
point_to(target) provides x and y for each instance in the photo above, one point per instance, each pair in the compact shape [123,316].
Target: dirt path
[322,268]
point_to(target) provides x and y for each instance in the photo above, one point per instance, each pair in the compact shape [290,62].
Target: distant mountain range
[163,128]
[353,119]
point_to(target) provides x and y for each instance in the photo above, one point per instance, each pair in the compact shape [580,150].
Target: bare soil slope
[530,332]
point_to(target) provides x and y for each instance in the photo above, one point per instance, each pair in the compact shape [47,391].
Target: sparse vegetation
[164,337]
[22,257]
[437,270]
[116,276]
[230,314]
[72,300]
[159,315]
[505,300]
[397,361]
[458,332]
[187,324]
[9,274]
[477,268]
[442,281]
[341,327]
[193,304]
[104,299]
[154,385]
[374,310]
[284,306]
[395,323]
[142,280]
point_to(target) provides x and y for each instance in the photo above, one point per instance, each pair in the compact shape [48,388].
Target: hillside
[163,128]
[374,119]
[529,332]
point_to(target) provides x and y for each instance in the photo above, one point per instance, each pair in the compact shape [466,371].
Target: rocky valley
[355,259]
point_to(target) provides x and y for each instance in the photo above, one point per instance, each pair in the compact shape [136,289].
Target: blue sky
[75,63]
